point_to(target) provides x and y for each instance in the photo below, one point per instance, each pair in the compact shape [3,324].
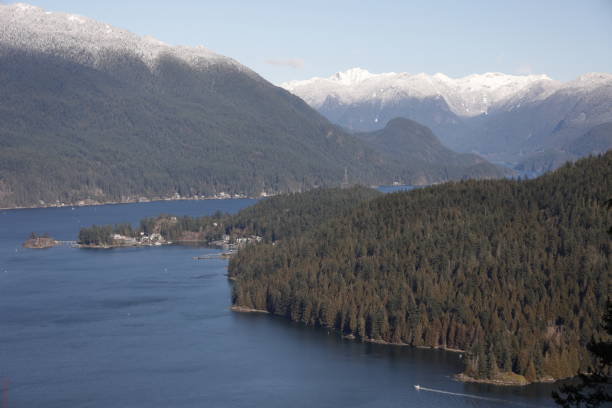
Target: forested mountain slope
[91,111]
[416,147]
[596,141]
[514,272]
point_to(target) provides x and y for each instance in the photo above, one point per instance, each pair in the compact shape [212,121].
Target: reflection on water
[150,327]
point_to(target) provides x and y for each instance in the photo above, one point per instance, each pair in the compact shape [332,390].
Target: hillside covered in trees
[92,113]
[274,218]
[415,145]
[516,273]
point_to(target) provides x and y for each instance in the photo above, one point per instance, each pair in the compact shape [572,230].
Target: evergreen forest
[515,273]
[274,218]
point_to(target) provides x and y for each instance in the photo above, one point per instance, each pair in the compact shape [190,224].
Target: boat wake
[472,396]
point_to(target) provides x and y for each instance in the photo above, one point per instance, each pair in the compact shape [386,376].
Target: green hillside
[95,113]
[69,132]
[417,148]
[515,273]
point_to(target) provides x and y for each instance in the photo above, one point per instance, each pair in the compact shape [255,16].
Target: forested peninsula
[515,273]
[268,221]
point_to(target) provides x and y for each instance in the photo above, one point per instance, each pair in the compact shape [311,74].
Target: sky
[285,40]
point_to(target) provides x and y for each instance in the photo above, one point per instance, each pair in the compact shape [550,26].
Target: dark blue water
[393,189]
[150,327]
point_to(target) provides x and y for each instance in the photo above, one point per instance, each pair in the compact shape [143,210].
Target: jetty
[221,255]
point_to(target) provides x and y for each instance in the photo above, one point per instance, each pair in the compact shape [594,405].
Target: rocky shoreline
[502,379]
[242,309]
[505,379]
[388,343]
[40,243]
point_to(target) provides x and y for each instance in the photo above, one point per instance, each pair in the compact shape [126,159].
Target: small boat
[417,387]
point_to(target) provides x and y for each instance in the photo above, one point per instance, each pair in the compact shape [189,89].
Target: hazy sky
[284,40]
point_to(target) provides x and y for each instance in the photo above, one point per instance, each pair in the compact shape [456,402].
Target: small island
[36,241]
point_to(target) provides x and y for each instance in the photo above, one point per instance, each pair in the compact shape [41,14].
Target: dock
[222,255]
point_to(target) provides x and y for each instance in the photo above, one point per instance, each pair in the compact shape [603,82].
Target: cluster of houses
[154,239]
[227,242]
[230,243]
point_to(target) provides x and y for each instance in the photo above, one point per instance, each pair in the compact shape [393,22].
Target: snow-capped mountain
[90,42]
[504,117]
[93,112]
[469,96]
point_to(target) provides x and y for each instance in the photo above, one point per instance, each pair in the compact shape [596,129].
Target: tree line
[514,272]
[273,219]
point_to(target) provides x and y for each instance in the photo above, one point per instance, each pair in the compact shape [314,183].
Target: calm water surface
[393,189]
[150,327]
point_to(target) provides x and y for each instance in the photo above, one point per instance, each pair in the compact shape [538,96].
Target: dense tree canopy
[69,132]
[272,219]
[515,273]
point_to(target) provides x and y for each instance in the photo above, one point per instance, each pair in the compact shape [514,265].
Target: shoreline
[503,379]
[135,201]
[93,203]
[113,246]
[388,343]
[518,380]
[242,309]
[40,243]
[204,243]
[349,336]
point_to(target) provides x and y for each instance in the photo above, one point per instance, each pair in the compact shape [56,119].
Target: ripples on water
[150,327]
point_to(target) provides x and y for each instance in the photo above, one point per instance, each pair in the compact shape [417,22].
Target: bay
[151,327]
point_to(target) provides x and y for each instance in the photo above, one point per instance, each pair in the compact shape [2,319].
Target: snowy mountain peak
[591,80]
[351,76]
[90,42]
[468,96]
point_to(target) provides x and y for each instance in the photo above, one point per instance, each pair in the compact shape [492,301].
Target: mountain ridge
[462,94]
[33,28]
[417,146]
[97,114]
[504,118]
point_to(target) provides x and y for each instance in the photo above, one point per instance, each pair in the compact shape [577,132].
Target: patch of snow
[90,42]
[472,95]
[76,19]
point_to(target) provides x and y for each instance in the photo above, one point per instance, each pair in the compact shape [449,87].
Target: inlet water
[151,327]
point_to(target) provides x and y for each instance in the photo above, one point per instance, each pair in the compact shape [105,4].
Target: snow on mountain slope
[90,42]
[590,81]
[469,96]
[504,118]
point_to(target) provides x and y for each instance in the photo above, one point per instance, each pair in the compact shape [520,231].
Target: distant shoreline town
[176,197]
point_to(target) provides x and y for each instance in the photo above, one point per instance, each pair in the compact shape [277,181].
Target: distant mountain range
[93,113]
[507,118]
